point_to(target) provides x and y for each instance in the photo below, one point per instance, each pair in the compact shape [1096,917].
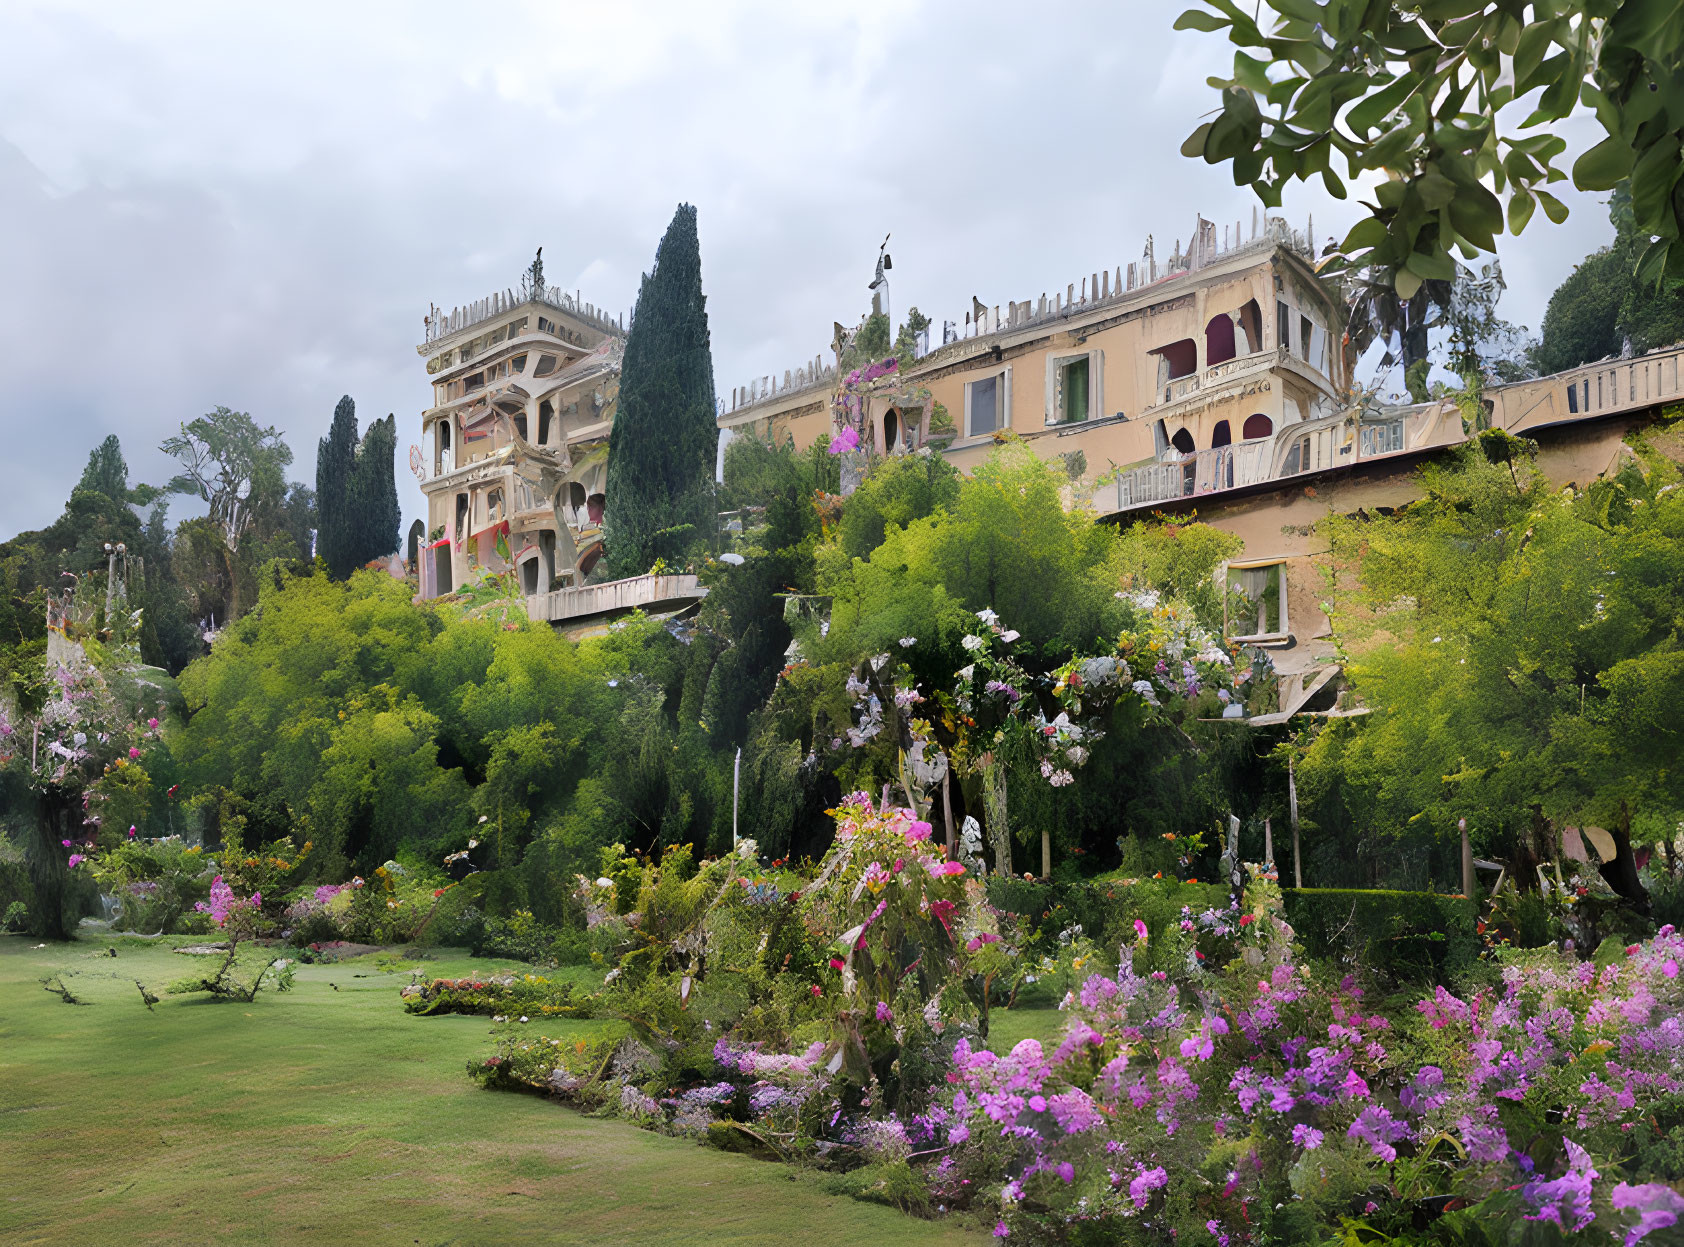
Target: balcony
[1216,374]
[655,595]
[1202,472]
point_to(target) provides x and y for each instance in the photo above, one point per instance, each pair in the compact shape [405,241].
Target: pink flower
[817,990]
[919,830]
[884,1013]
[953,868]
[836,963]
[153,724]
[76,859]
[847,439]
[132,832]
[1140,930]
[67,843]
[134,752]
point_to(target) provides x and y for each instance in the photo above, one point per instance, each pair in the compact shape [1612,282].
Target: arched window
[1220,435]
[891,432]
[1182,441]
[1219,339]
[1251,326]
[1178,359]
[1257,425]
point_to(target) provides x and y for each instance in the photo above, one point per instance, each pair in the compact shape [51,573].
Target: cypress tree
[107,471]
[336,520]
[660,496]
[377,491]
[356,492]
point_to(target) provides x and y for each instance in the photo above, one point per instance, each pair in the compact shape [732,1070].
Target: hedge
[1105,908]
[1408,937]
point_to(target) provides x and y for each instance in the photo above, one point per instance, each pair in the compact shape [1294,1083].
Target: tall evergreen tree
[107,471]
[377,489]
[660,494]
[336,463]
[356,491]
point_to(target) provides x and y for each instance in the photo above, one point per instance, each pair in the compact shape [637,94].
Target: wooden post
[1292,806]
[1268,846]
[1046,853]
[1467,860]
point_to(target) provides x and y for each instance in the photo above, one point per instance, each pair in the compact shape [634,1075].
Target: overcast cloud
[255,205]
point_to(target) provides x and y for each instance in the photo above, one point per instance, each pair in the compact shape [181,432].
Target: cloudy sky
[255,205]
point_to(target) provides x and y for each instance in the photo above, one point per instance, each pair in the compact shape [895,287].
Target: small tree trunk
[49,877]
[1046,854]
[994,802]
[947,812]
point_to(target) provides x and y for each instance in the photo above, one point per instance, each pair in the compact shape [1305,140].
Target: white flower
[1144,688]
[1010,635]
[988,617]
[971,643]
[1059,779]
[907,642]
[604,882]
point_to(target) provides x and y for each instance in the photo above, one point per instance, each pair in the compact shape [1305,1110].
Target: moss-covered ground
[328,1115]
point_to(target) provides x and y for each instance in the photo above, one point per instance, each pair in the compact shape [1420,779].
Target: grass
[328,1115]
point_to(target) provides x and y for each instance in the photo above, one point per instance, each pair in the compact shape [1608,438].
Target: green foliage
[1402,937]
[660,466]
[896,492]
[1105,909]
[356,492]
[1418,92]
[1603,305]
[1515,645]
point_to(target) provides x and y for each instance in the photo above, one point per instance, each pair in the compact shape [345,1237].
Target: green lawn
[331,1116]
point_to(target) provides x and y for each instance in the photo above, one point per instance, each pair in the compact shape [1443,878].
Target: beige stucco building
[514,448]
[1219,384]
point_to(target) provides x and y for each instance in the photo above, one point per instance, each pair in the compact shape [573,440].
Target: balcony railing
[1202,472]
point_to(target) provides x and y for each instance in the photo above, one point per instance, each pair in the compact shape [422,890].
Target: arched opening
[461,516]
[1178,359]
[575,495]
[546,413]
[529,576]
[1251,326]
[891,432]
[1221,435]
[1219,339]
[1257,425]
[1182,441]
[520,427]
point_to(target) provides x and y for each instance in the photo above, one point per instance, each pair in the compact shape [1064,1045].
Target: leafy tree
[234,467]
[1418,93]
[660,464]
[1602,307]
[1519,650]
[902,489]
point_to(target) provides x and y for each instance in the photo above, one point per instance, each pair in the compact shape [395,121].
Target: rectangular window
[988,404]
[983,402]
[1283,326]
[1255,606]
[1073,391]
[1306,331]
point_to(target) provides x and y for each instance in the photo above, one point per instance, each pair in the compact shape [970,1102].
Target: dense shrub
[1105,909]
[1403,937]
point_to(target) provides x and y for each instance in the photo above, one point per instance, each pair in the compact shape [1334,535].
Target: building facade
[1218,384]
[514,451]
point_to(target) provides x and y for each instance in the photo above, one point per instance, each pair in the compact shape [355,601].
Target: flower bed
[1216,1086]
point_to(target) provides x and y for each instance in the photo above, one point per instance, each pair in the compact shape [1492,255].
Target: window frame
[1228,623]
[1002,378]
[1056,365]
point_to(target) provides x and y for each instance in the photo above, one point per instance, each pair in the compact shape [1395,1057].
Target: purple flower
[1140,1190]
[1566,1200]
[1379,1130]
[1001,1231]
[1067,1172]
[884,1013]
[1306,1137]
[1657,1206]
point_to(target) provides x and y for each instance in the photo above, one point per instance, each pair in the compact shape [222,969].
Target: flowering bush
[497,995]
